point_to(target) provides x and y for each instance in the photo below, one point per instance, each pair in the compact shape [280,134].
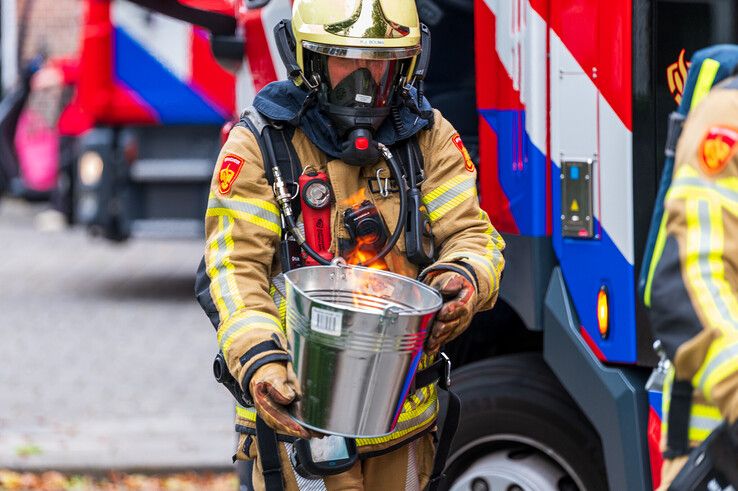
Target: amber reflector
[603,312]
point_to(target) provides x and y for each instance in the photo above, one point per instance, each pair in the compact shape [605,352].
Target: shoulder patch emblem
[468,163]
[716,149]
[229,170]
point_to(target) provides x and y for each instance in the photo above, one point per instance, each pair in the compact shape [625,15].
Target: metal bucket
[356,337]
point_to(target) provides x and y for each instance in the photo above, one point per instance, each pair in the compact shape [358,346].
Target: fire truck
[564,105]
[144,121]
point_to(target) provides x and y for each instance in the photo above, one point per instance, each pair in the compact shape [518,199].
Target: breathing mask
[356,90]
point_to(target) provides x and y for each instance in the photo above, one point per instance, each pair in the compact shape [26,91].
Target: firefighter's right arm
[694,292]
[243,230]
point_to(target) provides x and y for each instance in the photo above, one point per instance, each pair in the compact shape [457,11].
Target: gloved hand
[459,297]
[273,387]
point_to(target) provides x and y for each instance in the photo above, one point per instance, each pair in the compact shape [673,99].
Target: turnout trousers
[407,468]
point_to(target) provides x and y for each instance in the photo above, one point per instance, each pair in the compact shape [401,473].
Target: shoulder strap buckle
[439,371]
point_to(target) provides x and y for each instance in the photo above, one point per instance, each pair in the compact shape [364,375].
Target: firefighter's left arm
[467,241]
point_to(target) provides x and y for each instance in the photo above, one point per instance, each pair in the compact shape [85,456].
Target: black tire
[518,395]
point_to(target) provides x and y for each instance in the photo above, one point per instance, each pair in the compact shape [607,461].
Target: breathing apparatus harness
[357,126]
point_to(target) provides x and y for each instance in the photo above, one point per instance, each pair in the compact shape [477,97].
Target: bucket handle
[280,284]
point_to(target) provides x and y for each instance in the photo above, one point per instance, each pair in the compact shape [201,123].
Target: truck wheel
[520,431]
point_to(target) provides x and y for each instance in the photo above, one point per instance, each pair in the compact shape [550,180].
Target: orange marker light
[603,312]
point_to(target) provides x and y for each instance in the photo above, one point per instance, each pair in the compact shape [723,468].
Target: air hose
[284,199]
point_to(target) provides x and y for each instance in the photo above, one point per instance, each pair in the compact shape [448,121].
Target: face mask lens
[361,83]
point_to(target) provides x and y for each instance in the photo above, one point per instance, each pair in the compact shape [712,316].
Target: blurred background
[106,357]
[112,113]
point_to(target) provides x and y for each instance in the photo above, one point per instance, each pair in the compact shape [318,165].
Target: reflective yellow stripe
[408,422]
[280,303]
[418,411]
[721,361]
[704,267]
[688,184]
[489,263]
[425,414]
[247,413]
[706,412]
[213,271]
[256,211]
[658,250]
[230,331]
[702,421]
[265,205]
[703,418]
[497,242]
[725,297]
[705,79]
[449,195]
[282,308]
[666,400]
[224,289]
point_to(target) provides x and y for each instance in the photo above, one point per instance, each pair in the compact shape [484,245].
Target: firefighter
[351,65]
[694,299]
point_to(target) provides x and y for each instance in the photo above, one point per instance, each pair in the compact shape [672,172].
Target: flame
[355,200]
[362,252]
[359,255]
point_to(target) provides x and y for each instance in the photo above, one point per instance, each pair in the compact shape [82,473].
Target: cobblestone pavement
[105,357]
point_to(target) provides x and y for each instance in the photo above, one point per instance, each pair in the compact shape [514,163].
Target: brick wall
[54,26]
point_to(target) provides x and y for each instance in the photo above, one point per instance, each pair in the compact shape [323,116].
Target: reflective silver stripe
[277,297]
[454,192]
[728,354]
[302,483]
[702,423]
[236,205]
[259,212]
[703,213]
[279,285]
[497,238]
[423,417]
[222,270]
[412,481]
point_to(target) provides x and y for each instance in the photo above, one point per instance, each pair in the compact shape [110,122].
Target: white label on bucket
[365,99]
[326,321]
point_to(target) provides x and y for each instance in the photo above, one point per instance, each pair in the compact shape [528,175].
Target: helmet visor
[362,53]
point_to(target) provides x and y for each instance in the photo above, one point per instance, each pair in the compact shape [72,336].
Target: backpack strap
[419,160]
[275,143]
[680,407]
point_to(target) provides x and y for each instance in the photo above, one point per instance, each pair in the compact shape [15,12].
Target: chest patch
[229,170]
[468,163]
[716,149]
